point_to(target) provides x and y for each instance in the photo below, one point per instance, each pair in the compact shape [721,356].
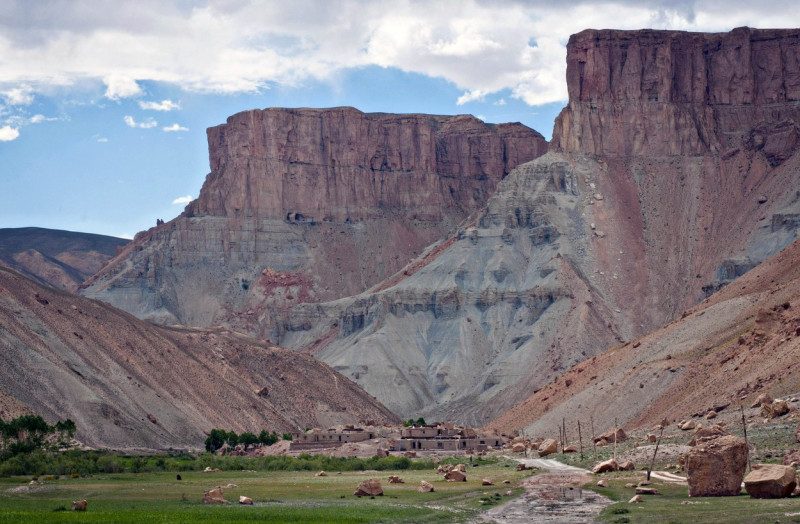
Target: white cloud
[39,118]
[102,140]
[164,105]
[500,102]
[19,96]
[8,133]
[148,123]
[175,127]
[121,86]
[183,200]
[237,46]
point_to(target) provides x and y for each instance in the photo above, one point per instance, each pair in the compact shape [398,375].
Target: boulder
[715,466]
[707,432]
[646,491]
[608,465]
[321,474]
[461,467]
[686,425]
[519,447]
[394,479]
[425,487]
[214,496]
[369,488]
[602,442]
[608,436]
[792,458]
[651,438]
[571,449]
[247,501]
[770,481]
[548,447]
[627,466]
[456,476]
[382,453]
[486,482]
[602,483]
[635,499]
[776,409]
[761,400]
[79,505]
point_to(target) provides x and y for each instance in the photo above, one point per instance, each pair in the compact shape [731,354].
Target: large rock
[425,487]
[214,496]
[611,434]
[548,447]
[774,409]
[369,488]
[455,476]
[770,481]
[606,466]
[706,432]
[715,466]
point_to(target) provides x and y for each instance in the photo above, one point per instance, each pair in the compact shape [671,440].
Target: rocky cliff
[666,179]
[305,205]
[673,170]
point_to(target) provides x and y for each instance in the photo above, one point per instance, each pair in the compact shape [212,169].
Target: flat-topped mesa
[344,165]
[679,93]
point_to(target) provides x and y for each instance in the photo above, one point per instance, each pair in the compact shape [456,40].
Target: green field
[281,496]
[674,506]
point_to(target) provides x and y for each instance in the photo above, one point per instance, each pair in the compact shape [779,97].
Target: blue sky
[104,105]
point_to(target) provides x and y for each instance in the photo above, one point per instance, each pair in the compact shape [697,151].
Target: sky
[104,104]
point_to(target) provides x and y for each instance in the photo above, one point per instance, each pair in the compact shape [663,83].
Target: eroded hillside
[129,384]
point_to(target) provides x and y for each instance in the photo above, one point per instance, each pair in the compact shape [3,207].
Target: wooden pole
[594,444]
[744,427]
[564,433]
[580,439]
[653,460]
[615,439]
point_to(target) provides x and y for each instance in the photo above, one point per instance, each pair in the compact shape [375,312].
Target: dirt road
[554,496]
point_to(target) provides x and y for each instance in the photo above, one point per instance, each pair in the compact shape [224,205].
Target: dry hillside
[129,384]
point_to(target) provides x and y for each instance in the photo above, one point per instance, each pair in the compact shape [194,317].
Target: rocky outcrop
[307,205]
[662,93]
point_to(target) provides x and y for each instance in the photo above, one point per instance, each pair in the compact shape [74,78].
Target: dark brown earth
[129,384]
[61,259]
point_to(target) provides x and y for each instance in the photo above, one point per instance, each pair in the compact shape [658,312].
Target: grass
[673,505]
[280,496]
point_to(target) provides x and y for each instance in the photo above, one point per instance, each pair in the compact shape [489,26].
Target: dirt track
[555,496]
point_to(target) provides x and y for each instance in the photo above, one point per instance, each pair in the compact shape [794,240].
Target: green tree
[248,439]
[232,439]
[216,439]
[266,438]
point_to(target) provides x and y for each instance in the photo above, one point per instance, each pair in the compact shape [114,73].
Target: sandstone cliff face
[304,205]
[660,186]
[667,177]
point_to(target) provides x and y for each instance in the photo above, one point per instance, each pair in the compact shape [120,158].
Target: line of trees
[219,437]
[27,433]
